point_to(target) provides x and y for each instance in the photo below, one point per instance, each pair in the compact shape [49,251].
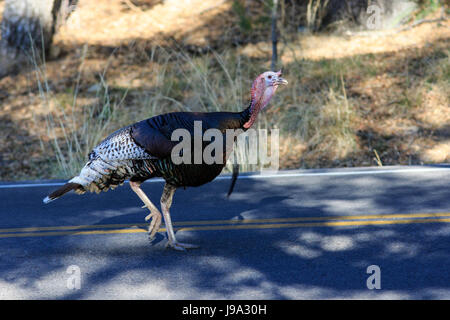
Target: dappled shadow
[130,70]
[286,263]
[406,145]
[274,263]
[140,4]
[19,163]
[390,112]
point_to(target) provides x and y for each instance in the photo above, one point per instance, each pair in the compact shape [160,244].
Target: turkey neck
[245,115]
[220,120]
[236,120]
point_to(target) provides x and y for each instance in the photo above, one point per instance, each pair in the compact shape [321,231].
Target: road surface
[303,234]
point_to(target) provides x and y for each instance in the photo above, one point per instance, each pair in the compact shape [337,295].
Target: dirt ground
[396,81]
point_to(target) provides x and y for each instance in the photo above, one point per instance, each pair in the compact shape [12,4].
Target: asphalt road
[308,234]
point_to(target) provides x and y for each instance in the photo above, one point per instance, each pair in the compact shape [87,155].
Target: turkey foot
[155,215]
[154,224]
[166,202]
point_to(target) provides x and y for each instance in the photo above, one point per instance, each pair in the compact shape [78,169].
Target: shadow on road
[287,263]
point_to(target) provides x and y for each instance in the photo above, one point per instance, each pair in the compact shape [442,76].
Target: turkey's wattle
[143,150]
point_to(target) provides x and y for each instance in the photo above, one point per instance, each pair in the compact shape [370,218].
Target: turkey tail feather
[61,191]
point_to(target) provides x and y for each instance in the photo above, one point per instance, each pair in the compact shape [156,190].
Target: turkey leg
[166,202]
[155,215]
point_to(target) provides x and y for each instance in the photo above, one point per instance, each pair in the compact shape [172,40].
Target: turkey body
[143,150]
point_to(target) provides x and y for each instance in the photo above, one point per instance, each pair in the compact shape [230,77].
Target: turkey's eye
[269,77]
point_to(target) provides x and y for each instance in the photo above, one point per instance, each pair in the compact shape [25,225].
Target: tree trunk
[27,25]
[273,64]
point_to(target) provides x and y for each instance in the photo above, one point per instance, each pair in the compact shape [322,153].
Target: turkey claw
[154,224]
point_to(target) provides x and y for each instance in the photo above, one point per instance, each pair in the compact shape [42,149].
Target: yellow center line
[315,224]
[232,222]
[356,217]
[243,226]
[87,226]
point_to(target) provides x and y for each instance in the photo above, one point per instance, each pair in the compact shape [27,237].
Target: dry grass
[349,98]
[323,46]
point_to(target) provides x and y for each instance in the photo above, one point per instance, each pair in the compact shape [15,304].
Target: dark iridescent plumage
[183,175]
[144,150]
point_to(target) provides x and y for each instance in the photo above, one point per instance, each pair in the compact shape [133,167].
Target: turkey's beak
[281,81]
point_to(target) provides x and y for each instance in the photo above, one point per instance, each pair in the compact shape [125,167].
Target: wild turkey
[143,150]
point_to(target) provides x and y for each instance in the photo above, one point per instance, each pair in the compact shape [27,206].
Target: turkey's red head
[263,89]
